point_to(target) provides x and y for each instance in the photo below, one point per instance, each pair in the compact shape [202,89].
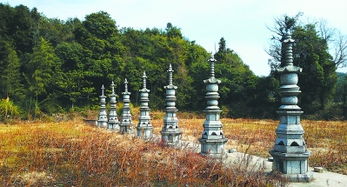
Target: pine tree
[42,66]
[10,74]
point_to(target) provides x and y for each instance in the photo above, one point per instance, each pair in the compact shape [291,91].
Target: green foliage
[238,81]
[42,68]
[49,65]
[341,84]
[311,53]
[318,78]
[8,110]
[10,79]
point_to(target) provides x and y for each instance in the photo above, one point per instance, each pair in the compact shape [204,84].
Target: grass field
[327,140]
[72,153]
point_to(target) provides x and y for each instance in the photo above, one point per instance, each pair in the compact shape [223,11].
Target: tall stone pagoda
[290,152]
[126,122]
[102,119]
[213,139]
[171,133]
[113,122]
[144,127]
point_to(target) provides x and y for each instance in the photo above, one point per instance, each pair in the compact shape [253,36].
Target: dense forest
[50,66]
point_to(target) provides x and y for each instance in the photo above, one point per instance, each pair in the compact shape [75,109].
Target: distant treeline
[49,66]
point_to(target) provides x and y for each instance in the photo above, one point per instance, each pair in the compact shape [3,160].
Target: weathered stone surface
[102,119]
[318,169]
[126,125]
[170,133]
[144,127]
[290,153]
[233,150]
[113,122]
[213,139]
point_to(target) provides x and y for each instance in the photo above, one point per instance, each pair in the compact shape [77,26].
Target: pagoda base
[102,124]
[145,132]
[113,126]
[171,138]
[125,129]
[212,147]
[292,166]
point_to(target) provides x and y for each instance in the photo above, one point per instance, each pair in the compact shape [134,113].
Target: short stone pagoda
[102,118]
[144,127]
[113,122]
[171,133]
[289,152]
[213,139]
[126,122]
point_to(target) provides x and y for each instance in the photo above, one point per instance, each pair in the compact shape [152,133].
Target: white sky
[243,23]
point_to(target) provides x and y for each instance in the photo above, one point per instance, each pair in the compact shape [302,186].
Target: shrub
[8,110]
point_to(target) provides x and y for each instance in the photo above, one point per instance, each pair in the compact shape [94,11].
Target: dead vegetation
[73,154]
[327,140]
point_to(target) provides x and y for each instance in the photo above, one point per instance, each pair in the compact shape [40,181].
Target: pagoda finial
[102,90]
[170,70]
[288,49]
[126,85]
[212,61]
[144,79]
[112,86]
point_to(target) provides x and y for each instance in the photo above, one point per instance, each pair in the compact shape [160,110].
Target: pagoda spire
[170,70]
[125,85]
[144,78]
[212,61]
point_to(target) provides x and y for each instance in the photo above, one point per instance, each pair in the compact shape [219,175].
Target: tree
[344,103]
[42,71]
[238,81]
[173,31]
[310,52]
[10,79]
[73,87]
[101,42]
[336,41]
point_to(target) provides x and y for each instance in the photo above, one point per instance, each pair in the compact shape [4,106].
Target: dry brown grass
[327,140]
[73,154]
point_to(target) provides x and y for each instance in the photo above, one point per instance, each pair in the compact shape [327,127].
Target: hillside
[50,66]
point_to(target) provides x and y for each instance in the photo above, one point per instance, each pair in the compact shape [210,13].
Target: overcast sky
[243,23]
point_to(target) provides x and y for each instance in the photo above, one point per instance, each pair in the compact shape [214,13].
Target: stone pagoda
[344,108]
[113,122]
[144,127]
[213,139]
[102,119]
[126,122]
[171,133]
[289,152]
